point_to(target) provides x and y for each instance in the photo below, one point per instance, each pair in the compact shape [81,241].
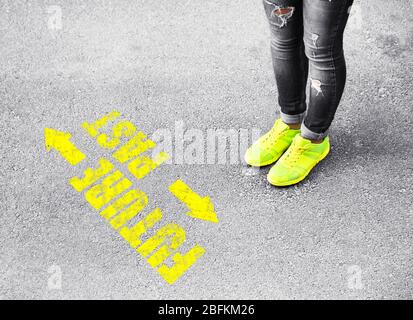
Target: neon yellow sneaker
[269,148]
[297,162]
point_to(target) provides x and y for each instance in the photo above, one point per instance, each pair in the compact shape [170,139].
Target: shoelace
[273,134]
[293,154]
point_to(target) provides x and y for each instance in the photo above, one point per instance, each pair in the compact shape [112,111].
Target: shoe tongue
[281,126]
[301,141]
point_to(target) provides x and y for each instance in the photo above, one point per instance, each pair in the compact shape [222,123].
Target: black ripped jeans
[307,39]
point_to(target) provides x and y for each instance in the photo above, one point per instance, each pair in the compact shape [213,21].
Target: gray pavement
[345,232]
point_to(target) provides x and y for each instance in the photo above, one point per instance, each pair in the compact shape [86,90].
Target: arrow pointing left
[60,141]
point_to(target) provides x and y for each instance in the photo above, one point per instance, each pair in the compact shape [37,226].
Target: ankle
[316,141]
[294,126]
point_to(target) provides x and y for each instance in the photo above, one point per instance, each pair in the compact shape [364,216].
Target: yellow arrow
[61,142]
[200,208]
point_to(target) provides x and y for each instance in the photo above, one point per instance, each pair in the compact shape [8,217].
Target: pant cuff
[311,135]
[292,118]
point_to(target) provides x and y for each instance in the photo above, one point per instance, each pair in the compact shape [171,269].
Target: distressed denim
[307,42]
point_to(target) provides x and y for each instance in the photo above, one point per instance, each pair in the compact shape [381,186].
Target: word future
[113,195]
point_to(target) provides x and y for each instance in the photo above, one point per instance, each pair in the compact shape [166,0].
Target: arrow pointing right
[200,208]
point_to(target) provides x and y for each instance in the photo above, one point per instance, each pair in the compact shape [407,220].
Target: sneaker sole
[292,182]
[263,164]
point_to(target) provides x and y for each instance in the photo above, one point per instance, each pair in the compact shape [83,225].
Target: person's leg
[290,68]
[288,57]
[324,24]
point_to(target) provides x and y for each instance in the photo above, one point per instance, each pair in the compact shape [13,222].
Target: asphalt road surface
[345,232]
